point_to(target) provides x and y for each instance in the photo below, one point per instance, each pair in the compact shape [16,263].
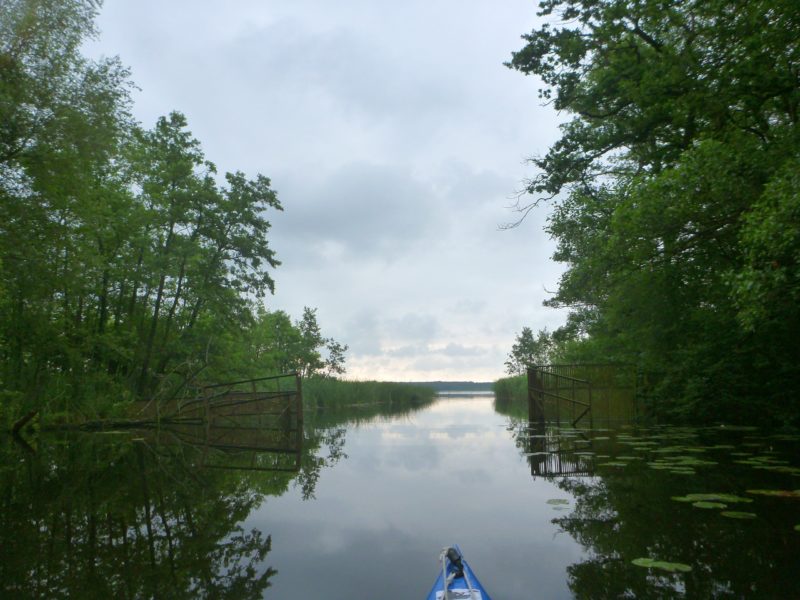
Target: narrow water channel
[363,510]
[448,474]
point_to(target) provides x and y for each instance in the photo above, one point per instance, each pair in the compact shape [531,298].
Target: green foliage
[169,529]
[674,192]
[330,393]
[511,396]
[529,350]
[275,344]
[128,267]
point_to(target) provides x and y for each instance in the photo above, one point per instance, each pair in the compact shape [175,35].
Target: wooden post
[535,398]
[299,391]
[299,428]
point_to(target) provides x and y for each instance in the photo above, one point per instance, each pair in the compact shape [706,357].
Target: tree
[667,186]
[334,363]
[309,359]
[529,350]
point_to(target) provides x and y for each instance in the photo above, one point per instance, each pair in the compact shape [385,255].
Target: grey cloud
[394,138]
[363,334]
[458,350]
[412,326]
[408,351]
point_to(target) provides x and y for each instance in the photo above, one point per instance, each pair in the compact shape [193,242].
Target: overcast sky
[395,139]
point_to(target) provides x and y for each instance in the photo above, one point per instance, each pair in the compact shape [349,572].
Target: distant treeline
[674,195]
[128,265]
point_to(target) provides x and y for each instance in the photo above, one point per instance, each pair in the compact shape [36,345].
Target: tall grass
[330,393]
[511,396]
[511,389]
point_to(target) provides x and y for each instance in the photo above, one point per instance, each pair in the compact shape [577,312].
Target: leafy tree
[309,359]
[667,188]
[334,363]
[529,350]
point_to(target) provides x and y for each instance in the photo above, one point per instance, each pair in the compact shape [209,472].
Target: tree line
[674,195]
[128,264]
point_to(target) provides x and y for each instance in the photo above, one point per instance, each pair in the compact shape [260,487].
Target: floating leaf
[779,469]
[736,514]
[683,471]
[557,501]
[613,464]
[730,498]
[705,504]
[777,493]
[669,450]
[652,563]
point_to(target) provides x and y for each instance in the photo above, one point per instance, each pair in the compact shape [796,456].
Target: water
[377,496]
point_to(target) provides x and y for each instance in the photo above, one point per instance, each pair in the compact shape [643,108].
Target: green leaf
[651,563]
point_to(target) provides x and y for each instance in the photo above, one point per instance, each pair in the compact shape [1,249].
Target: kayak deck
[459,578]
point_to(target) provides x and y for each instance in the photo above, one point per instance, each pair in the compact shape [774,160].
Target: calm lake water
[363,510]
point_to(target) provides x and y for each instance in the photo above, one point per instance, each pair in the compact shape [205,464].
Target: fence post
[535,398]
[299,400]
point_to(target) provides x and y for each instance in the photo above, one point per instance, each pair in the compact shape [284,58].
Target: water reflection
[360,505]
[410,485]
[155,513]
[116,516]
[709,503]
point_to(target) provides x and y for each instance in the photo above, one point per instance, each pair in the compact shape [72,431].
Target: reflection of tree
[152,516]
[312,464]
[324,428]
[623,516]
[100,518]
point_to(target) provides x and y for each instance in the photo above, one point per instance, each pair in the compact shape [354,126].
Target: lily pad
[683,471]
[669,450]
[652,563]
[613,464]
[779,469]
[737,514]
[557,501]
[705,504]
[714,497]
[776,493]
